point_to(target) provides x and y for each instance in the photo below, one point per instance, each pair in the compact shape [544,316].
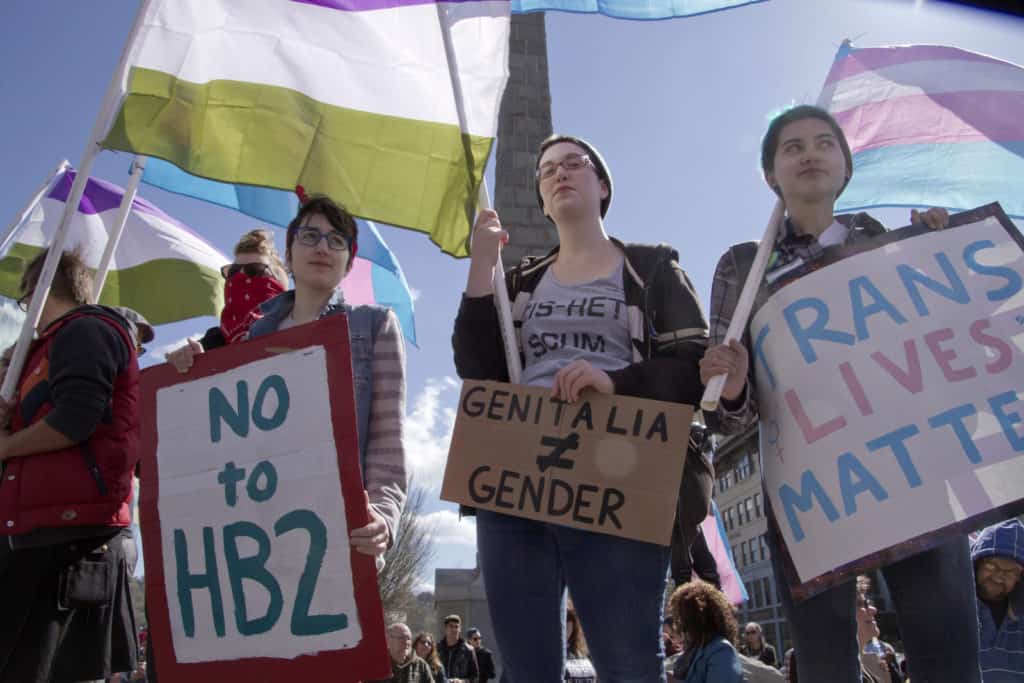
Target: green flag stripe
[405,172]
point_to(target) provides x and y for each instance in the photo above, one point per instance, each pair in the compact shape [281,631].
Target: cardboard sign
[250,484]
[889,396]
[610,464]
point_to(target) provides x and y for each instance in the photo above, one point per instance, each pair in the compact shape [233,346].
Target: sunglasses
[258,269]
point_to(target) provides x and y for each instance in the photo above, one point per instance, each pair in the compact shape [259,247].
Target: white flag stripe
[334,56]
[146,237]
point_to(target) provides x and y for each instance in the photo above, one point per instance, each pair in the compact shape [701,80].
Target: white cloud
[445,528]
[428,431]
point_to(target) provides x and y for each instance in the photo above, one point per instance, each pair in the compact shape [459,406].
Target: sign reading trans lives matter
[610,464]
[888,392]
[250,486]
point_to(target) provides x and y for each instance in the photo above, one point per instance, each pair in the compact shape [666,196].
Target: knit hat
[599,166]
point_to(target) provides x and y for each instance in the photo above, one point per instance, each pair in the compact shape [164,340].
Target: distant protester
[998,555]
[703,615]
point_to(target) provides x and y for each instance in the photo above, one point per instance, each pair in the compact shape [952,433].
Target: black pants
[67,611]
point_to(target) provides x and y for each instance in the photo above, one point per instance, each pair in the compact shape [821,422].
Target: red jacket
[89,484]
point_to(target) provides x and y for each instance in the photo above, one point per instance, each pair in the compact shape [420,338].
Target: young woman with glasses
[807,162]
[642,335]
[320,245]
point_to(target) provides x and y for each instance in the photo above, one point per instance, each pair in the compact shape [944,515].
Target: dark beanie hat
[595,158]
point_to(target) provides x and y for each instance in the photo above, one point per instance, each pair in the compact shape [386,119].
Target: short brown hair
[261,241]
[72,281]
[453,619]
[336,214]
[702,611]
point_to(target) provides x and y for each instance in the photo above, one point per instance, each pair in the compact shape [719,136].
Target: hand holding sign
[371,539]
[730,360]
[577,376]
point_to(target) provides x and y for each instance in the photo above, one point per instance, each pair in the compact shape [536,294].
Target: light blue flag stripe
[630,9]
[278,207]
[954,176]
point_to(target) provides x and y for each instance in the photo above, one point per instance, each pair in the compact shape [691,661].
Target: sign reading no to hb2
[250,486]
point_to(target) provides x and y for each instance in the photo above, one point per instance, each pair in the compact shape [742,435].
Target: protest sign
[250,485]
[610,464]
[888,395]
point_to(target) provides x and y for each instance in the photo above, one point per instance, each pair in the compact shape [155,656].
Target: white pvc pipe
[100,279]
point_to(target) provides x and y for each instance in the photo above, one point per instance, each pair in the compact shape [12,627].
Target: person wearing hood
[998,556]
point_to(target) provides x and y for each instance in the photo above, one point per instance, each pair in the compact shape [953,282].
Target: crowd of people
[72,442]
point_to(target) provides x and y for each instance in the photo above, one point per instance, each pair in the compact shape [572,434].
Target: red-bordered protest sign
[250,484]
[889,386]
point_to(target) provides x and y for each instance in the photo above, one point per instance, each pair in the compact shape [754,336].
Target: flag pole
[501,300]
[56,248]
[23,214]
[741,316]
[138,166]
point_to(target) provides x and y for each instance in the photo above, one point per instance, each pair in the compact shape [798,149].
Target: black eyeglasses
[571,162]
[311,237]
[258,269]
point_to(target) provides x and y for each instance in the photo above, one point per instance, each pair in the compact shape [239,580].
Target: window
[748,509]
[735,555]
[757,505]
[739,514]
[743,552]
[743,468]
[759,596]
[762,542]
[727,520]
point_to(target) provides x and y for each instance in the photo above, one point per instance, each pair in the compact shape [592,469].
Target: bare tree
[407,559]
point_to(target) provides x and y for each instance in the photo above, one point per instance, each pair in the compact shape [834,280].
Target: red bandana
[242,294]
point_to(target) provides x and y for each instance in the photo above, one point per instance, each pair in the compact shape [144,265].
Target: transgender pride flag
[929,125]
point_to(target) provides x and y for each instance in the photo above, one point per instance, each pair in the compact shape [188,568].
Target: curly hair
[701,611]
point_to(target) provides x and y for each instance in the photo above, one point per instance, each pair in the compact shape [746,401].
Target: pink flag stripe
[860,60]
[727,574]
[940,118]
[358,284]
[920,78]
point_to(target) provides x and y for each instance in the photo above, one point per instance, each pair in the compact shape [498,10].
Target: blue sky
[677,108]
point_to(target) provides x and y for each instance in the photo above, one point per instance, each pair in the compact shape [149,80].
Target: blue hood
[1005,538]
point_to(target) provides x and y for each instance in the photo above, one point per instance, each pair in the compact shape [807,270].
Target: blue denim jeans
[617,586]
[933,593]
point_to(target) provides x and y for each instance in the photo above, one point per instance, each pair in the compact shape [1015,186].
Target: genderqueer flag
[929,125]
[376,276]
[356,99]
[161,269]
[630,9]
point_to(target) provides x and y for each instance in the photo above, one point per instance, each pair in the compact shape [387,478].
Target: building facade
[740,500]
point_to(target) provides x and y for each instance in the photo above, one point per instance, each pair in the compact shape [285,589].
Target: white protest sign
[244,517]
[888,392]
